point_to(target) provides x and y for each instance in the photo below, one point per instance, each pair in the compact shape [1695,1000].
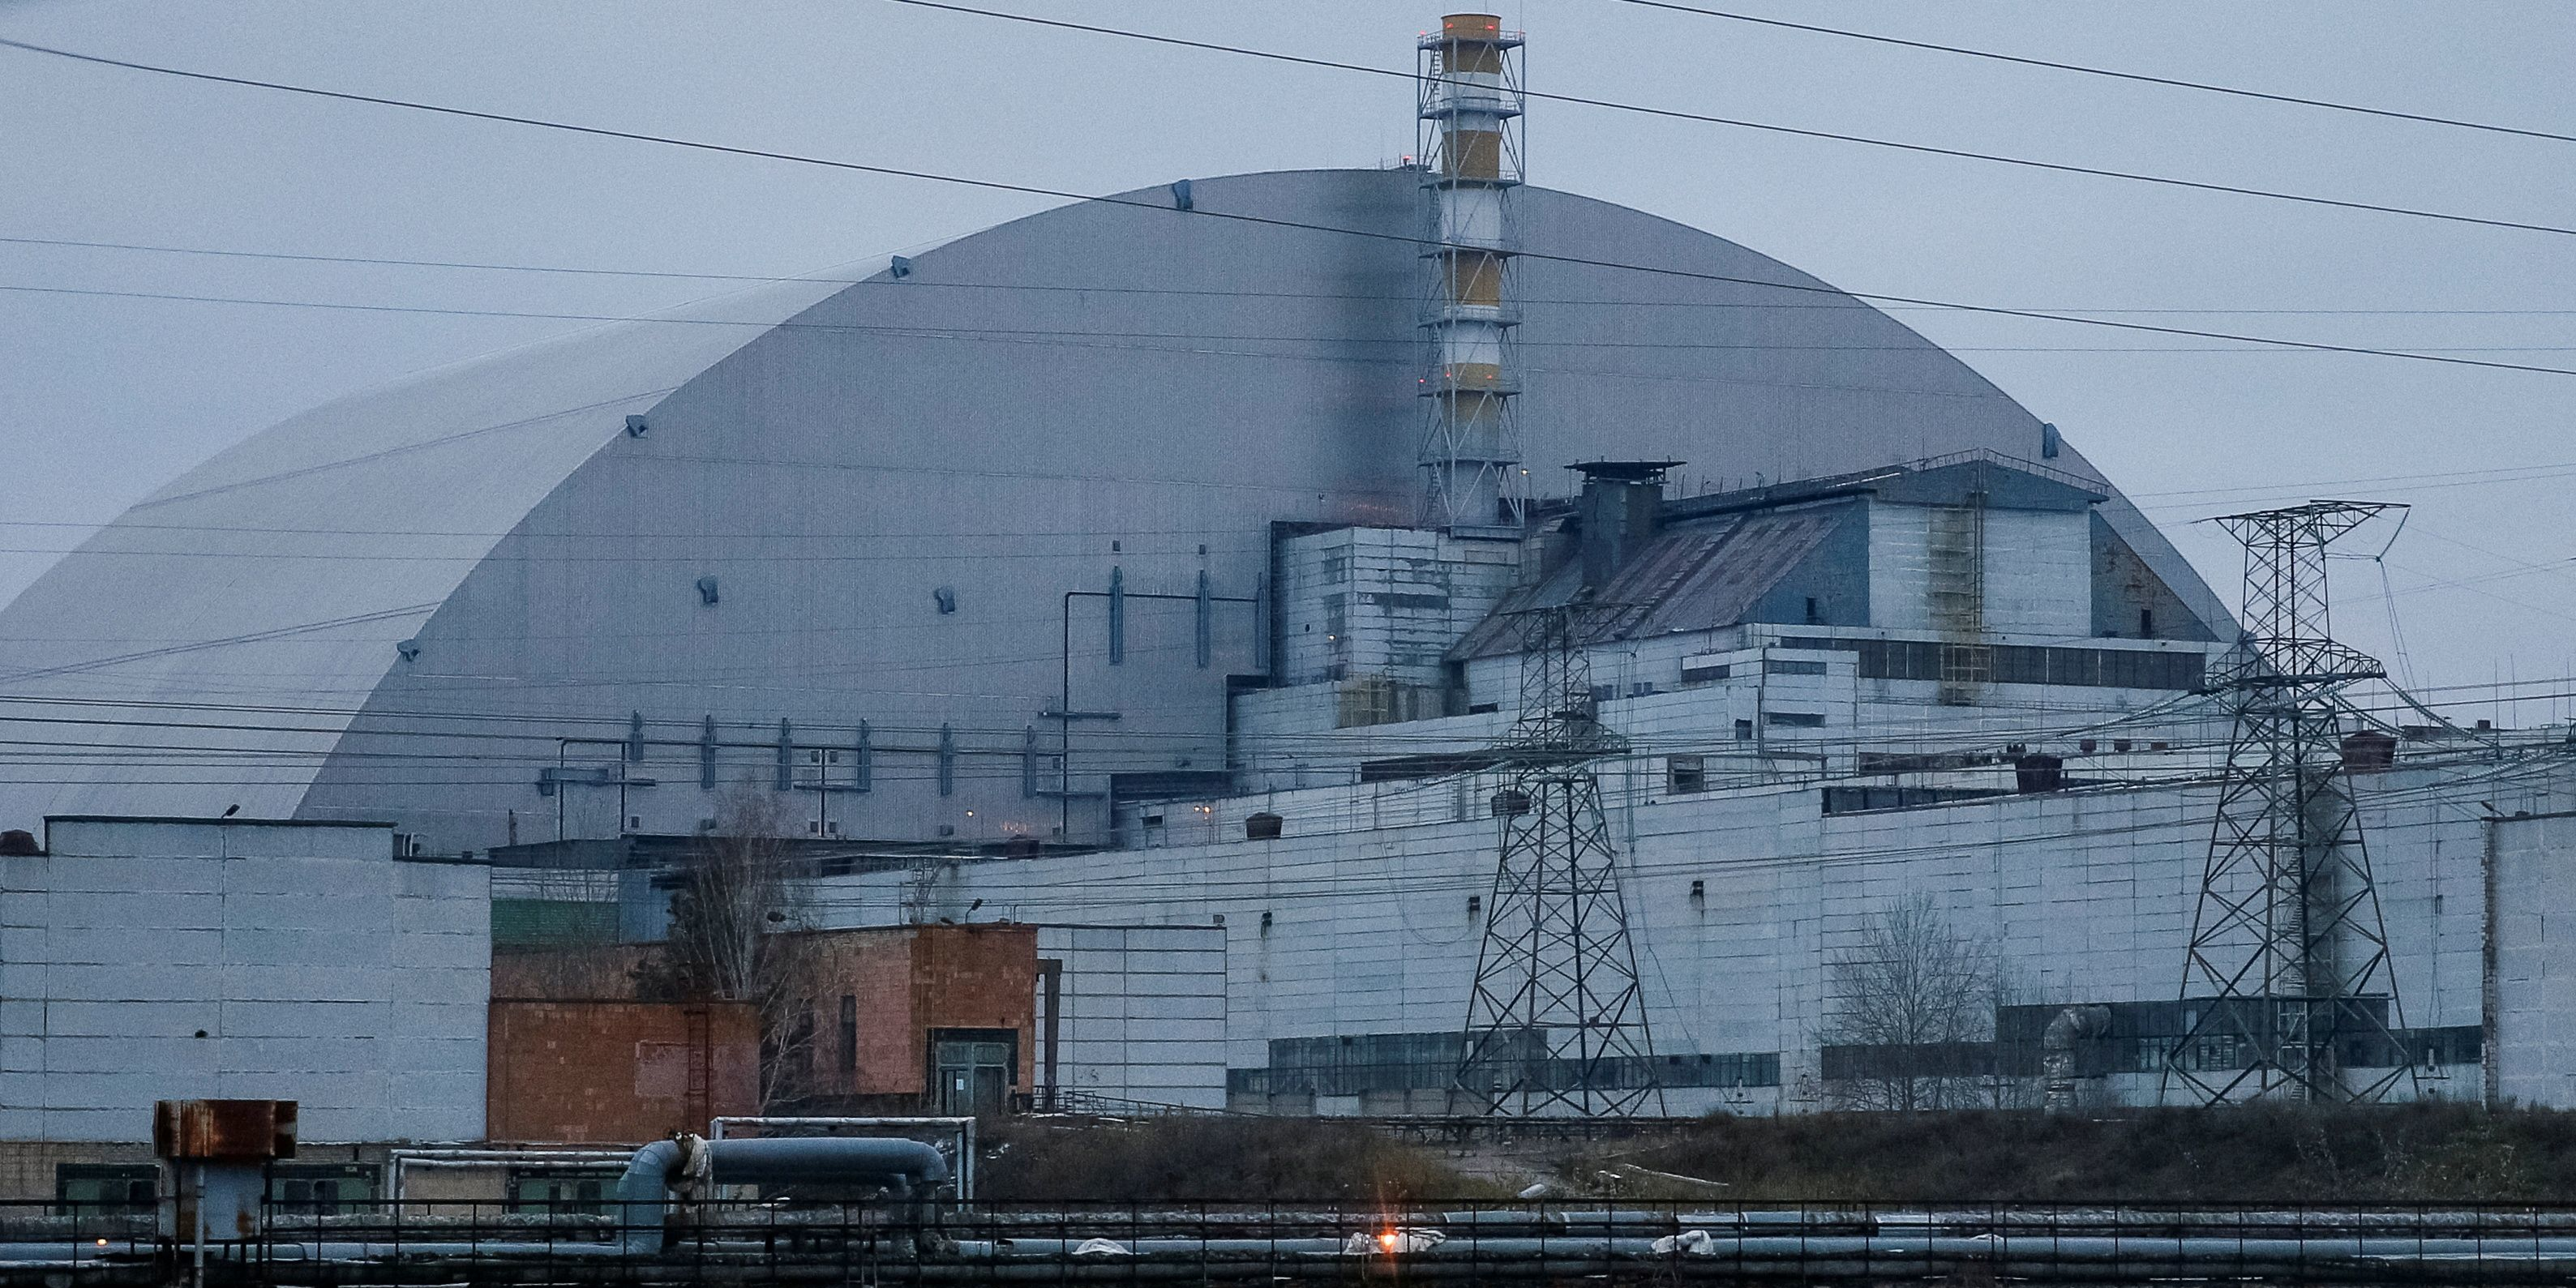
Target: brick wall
[906,981]
[902,982]
[619,1072]
[977,977]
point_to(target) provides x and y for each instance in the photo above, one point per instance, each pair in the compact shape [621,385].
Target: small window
[1815,612]
[2146,623]
[1744,731]
[1705,674]
[1797,720]
[560,1192]
[1792,666]
[1684,775]
[849,1035]
[106,1189]
[321,1189]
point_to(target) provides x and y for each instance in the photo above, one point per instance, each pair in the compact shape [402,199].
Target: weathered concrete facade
[1363,930]
[145,960]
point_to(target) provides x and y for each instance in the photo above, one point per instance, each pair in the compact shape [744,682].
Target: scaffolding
[2287,988]
[1468,112]
[1955,572]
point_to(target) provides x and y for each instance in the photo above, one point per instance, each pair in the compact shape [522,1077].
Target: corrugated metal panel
[1693,577]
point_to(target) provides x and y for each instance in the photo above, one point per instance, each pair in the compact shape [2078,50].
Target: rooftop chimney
[1621,501]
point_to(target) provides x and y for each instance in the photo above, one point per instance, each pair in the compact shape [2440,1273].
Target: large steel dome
[862,535]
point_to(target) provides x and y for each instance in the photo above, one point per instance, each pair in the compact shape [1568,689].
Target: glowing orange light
[102,1243]
[1387,1241]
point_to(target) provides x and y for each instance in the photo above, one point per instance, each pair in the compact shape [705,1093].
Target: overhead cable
[1104,288]
[1204,212]
[2098,172]
[2139,77]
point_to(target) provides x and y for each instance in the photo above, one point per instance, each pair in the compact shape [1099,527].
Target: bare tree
[1913,1005]
[735,937]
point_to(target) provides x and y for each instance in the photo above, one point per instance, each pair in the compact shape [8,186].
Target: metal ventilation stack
[1469,108]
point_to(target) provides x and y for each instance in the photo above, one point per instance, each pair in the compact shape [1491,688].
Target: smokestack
[1620,504]
[1469,115]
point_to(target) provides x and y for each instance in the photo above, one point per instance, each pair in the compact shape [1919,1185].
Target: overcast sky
[103,398]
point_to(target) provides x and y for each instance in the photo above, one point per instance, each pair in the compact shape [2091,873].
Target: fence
[780,1240]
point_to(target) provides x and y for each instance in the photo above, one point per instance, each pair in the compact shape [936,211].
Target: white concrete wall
[2535,931]
[316,967]
[2038,571]
[1900,567]
[1383,601]
[2088,893]
[1143,1012]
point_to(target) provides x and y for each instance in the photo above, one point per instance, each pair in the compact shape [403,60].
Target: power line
[1264,220]
[1078,337]
[1766,126]
[2140,77]
[821,278]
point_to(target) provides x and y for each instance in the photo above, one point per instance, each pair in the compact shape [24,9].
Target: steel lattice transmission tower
[1556,1022]
[2287,989]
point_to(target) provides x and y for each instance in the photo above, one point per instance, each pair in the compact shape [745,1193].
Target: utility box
[214,1164]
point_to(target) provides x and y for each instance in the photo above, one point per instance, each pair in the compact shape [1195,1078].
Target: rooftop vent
[1620,504]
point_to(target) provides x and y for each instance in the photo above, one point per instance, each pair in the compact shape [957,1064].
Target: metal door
[973,1073]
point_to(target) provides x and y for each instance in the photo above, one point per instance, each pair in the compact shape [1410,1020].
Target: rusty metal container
[223,1129]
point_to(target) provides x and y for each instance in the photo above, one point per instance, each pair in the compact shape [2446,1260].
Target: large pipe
[959,1129]
[2057,1051]
[644,1191]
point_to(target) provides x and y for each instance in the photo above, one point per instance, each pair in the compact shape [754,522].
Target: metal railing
[783,1239]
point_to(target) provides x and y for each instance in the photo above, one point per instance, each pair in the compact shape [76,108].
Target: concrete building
[1150,573]
[153,959]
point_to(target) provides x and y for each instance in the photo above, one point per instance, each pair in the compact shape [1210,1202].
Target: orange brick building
[915,1019]
[899,1019]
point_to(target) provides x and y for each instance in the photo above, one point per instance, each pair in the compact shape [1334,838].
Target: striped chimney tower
[1469,107]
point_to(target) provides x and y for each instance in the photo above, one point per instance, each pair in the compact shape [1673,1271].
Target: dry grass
[1181,1159]
[2286,1154]
[2399,1153]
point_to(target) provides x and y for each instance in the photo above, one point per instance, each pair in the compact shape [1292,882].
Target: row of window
[1354,1064]
[2107,668]
[1769,666]
[126,1189]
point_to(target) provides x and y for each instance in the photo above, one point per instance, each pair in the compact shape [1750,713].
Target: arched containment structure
[896,551]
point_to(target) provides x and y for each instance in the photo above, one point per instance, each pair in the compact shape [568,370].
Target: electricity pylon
[2287,990]
[1556,1023]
